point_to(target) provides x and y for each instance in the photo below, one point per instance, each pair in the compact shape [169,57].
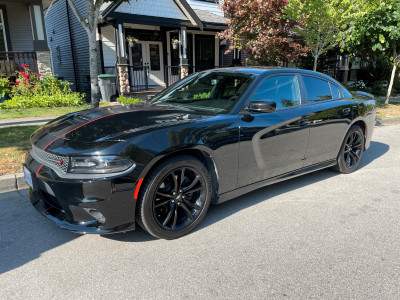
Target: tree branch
[77,14]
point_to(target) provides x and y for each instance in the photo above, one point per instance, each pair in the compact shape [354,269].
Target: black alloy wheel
[175,197]
[352,150]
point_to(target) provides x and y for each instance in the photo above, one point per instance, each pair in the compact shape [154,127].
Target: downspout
[72,46]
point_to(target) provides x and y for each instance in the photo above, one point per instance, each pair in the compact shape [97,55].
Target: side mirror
[262,106]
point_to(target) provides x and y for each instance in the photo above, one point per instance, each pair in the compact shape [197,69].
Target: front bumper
[84,206]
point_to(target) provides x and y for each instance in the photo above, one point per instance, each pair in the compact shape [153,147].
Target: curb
[12,182]
[386,121]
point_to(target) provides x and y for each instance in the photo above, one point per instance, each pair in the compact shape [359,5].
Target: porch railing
[172,74]
[138,78]
[12,61]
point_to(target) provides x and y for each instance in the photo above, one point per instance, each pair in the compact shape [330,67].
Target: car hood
[109,125]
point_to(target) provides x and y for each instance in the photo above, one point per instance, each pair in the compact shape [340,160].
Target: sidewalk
[25,121]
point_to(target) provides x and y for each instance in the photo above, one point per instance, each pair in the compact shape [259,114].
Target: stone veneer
[123,79]
[44,62]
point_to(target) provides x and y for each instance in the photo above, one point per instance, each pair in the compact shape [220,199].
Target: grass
[390,111]
[14,145]
[43,111]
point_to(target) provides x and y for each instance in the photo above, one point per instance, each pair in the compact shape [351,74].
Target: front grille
[57,161]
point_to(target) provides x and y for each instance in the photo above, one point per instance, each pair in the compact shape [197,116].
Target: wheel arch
[363,126]
[204,155]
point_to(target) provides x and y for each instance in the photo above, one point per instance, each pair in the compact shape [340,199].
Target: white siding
[108,39]
[155,8]
[211,7]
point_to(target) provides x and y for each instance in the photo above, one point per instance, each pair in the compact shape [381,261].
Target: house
[23,38]
[136,42]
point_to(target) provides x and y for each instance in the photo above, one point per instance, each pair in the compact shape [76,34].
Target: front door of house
[147,56]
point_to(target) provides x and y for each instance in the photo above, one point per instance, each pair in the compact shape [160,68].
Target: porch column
[184,64]
[122,62]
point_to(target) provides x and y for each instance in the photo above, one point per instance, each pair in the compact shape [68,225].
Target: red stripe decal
[96,120]
[37,173]
[138,188]
[46,210]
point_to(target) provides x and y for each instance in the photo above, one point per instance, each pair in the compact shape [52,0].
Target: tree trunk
[395,62]
[315,62]
[94,84]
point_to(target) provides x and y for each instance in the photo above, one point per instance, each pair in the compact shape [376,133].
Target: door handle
[346,111]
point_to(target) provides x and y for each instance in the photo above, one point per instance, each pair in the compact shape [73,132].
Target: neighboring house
[152,61]
[23,38]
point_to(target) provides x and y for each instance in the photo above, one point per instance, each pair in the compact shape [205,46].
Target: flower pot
[175,46]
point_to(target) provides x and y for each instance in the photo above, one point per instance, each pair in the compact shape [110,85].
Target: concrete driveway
[322,235]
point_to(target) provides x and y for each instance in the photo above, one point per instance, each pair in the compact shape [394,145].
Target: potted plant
[132,40]
[175,43]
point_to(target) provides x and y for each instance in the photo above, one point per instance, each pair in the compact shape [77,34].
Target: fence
[12,61]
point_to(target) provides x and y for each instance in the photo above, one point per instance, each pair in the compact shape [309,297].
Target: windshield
[214,92]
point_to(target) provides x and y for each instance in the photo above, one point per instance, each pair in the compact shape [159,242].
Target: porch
[152,44]
[11,62]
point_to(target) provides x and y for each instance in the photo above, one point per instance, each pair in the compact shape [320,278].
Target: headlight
[99,164]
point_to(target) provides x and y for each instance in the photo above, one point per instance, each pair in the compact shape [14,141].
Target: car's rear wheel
[175,197]
[351,151]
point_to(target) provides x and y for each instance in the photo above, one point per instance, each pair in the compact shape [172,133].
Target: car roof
[258,70]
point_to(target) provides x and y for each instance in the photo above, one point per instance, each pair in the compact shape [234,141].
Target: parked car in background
[208,138]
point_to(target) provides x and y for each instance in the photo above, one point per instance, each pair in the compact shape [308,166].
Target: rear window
[317,89]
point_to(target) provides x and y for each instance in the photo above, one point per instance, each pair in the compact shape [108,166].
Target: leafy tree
[320,22]
[260,28]
[378,30]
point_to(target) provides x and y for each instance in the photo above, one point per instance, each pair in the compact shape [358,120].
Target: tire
[351,152]
[171,205]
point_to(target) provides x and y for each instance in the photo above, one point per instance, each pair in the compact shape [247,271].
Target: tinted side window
[317,89]
[335,91]
[284,90]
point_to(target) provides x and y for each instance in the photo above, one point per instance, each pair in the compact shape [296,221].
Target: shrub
[31,91]
[4,87]
[43,100]
[127,100]
[378,89]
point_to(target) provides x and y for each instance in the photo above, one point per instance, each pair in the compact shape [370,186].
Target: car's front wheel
[351,151]
[175,197]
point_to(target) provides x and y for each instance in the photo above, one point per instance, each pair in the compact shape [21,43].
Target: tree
[89,23]
[378,30]
[320,22]
[260,28]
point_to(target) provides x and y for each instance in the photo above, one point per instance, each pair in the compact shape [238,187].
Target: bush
[4,87]
[31,91]
[127,100]
[378,89]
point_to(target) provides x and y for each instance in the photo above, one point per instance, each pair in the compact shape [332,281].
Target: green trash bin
[107,87]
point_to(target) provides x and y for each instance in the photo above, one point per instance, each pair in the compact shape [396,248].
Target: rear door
[329,118]
[273,143]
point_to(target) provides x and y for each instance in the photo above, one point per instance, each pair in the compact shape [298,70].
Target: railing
[138,78]
[194,69]
[172,74]
[12,61]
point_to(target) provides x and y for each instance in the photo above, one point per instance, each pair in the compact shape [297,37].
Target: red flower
[24,66]
[17,83]
[39,74]
[22,73]
[24,81]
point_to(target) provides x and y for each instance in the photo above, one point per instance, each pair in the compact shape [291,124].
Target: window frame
[329,81]
[261,81]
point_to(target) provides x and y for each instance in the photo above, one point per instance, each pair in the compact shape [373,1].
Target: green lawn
[42,111]
[14,145]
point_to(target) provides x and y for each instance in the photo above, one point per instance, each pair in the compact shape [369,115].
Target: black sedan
[208,138]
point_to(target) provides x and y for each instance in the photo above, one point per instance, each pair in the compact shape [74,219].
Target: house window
[3,39]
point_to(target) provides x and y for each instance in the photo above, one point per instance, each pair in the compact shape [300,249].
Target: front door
[147,56]
[275,143]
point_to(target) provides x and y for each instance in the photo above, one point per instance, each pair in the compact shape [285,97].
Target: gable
[153,8]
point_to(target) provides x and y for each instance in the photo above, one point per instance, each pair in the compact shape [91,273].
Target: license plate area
[28,177]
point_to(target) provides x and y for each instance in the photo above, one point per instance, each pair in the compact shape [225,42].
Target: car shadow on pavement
[24,234]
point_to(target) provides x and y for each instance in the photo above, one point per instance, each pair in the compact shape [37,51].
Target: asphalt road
[322,235]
